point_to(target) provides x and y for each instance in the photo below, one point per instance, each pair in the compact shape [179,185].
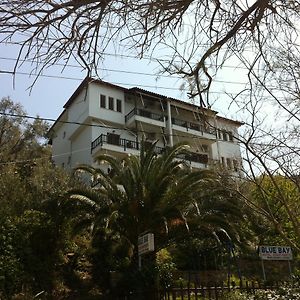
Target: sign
[146,243]
[275,253]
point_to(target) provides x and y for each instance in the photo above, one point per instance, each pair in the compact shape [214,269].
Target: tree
[211,32]
[153,193]
[19,138]
[32,222]
[275,199]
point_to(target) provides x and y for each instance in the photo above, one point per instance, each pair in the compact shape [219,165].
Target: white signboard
[275,253]
[146,243]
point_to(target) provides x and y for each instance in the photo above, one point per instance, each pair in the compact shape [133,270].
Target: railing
[190,125]
[129,144]
[195,157]
[210,291]
[124,143]
[144,113]
[105,139]
[158,117]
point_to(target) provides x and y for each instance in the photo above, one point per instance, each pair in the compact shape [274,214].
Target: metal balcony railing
[190,125]
[195,157]
[144,113]
[159,117]
[114,139]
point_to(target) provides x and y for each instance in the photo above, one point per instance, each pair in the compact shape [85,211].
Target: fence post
[174,294]
[222,289]
[181,291]
[216,291]
[209,292]
[189,285]
[202,291]
[196,290]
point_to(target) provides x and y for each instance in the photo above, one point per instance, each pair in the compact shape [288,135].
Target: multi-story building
[101,117]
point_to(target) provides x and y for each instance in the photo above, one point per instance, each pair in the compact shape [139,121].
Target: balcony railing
[195,157]
[190,125]
[113,139]
[144,113]
[159,117]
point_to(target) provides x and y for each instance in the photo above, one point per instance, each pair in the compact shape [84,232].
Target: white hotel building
[101,117]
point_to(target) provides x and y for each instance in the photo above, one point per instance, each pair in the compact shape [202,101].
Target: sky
[55,86]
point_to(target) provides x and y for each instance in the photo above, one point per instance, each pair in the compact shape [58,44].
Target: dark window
[223,161]
[103,101]
[235,165]
[113,139]
[225,138]
[196,157]
[220,134]
[230,136]
[111,103]
[119,105]
[145,113]
[228,162]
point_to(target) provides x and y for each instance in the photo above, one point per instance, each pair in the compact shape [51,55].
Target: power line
[120,128]
[117,83]
[120,71]
[150,58]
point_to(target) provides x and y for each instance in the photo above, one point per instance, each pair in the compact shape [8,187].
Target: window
[111,103]
[223,161]
[228,162]
[119,105]
[220,134]
[235,165]
[113,139]
[64,134]
[230,134]
[225,138]
[103,101]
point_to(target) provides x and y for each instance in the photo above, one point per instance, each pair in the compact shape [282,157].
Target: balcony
[144,116]
[119,147]
[194,128]
[113,142]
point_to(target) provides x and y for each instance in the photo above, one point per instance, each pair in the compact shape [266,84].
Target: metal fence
[202,291]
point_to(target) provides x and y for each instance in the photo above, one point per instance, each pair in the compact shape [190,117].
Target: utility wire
[120,71]
[149,58]
[123,129]
[117,83]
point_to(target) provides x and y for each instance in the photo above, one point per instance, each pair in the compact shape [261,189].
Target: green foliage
[33,230]
[277,198]
[19,138]
[165,267]
[158,194]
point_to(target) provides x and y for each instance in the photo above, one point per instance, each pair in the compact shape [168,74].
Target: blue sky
[55,86]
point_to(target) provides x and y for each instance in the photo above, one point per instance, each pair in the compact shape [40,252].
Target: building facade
[104,118]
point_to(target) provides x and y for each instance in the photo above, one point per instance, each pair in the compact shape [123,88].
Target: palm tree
[155,193]
[146,193]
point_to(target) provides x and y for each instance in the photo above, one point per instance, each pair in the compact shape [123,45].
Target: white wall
[81,147]
[105,114]
[61,146]
[86,108]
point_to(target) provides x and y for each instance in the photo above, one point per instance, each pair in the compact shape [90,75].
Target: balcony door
[113,139]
